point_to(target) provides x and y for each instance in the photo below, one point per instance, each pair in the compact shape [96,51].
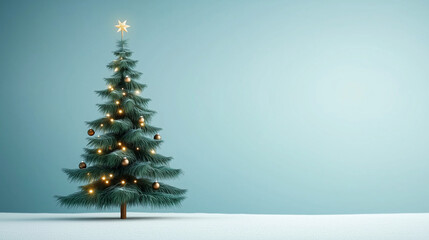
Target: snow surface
[188,226]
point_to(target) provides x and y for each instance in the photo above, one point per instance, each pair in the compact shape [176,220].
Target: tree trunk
[123,211]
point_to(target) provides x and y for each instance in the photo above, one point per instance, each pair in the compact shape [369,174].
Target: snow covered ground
[188,226]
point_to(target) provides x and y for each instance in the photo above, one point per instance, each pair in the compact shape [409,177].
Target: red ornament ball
[82,165]
[91,132]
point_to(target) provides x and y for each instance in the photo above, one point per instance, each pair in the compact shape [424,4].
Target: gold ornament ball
[82,165]
[155,185]
[141,119]
[125,162]
[157,137]
[127,79]
[91,132]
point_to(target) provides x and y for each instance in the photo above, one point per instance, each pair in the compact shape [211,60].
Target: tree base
[123,211]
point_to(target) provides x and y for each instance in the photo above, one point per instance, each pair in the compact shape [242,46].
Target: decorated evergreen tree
[121,166]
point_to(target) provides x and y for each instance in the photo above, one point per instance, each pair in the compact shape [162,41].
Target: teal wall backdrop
[305,107]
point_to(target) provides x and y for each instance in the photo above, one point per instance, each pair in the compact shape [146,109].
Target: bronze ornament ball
[82,165]
[127,79]
[91,132]
[125,162]
[155,185]
[157,137]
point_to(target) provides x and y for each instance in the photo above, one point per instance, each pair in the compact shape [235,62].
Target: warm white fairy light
[120,111]
[137,92]
[107,181]
[117,102]
[141,121]
[110,175]
[116,69]
[123,94]
[135,180]
[124,148]
[91,191]
[108,115]
[137,148]
[112,120]
[123,181]
[119,143]
[99,151]
[152,151]
[101,125]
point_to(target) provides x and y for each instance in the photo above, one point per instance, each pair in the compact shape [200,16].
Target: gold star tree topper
[122,26]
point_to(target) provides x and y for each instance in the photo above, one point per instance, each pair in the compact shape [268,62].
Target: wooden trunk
[123,211]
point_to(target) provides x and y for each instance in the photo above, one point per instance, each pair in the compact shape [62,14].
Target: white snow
[188,226]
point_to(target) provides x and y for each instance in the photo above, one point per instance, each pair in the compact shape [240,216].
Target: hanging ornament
[91,132]
[156,185]
[127,79]
[157,137]
[125,162]
[82,165]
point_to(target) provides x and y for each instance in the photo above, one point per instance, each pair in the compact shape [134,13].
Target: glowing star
[122,26]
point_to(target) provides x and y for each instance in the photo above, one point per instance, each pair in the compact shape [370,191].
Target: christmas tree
[123,166]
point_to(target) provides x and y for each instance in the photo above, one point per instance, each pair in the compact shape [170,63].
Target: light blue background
[305,107]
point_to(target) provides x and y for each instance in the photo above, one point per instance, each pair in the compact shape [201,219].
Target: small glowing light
[116,69]
[135,181]
[103,178]
[137,148]
[91,191]
[137,92]
[117,102]
[119,143]
[152,151]
[101,125]
[109,87]
[111,175]
[124,148]
[123,181]
[142,124]
[120,111]
[121,58]
[107,181]
[99,151]
[112,120]
[98,136]
[122,88]
[123,94]
[88,174]
[108,115]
